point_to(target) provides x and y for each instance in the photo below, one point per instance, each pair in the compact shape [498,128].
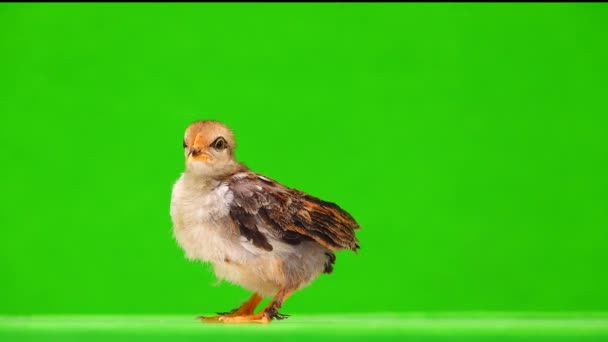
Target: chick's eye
[185,144]
[219,144]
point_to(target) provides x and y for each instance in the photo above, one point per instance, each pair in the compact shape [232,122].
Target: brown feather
[288,214]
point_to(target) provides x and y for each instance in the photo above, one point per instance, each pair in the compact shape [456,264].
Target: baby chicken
[257,233]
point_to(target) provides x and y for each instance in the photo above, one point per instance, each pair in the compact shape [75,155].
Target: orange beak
[197,151]
[194,155]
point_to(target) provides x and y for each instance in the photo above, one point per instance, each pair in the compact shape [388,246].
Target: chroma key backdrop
[470,141]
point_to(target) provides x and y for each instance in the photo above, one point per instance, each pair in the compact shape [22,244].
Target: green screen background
[469,141]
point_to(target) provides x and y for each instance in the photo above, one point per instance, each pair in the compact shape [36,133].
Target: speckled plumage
[255,232]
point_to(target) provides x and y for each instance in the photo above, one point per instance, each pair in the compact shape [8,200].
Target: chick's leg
[266,314]
[246,308]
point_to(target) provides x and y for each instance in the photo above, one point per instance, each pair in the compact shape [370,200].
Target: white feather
[203,228]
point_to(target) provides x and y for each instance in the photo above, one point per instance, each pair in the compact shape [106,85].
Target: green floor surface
[364,327]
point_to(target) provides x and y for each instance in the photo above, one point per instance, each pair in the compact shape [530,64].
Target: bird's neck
[211,180]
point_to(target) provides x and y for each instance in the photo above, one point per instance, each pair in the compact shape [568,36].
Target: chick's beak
[197,155]
[197,151]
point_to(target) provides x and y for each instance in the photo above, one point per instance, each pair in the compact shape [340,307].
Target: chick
[268,238]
